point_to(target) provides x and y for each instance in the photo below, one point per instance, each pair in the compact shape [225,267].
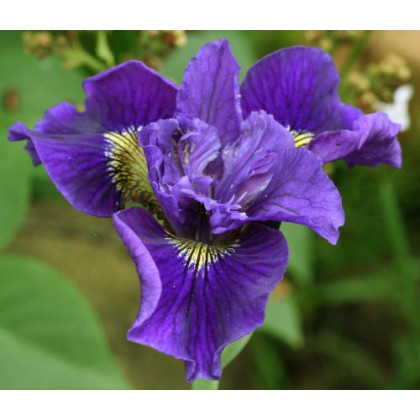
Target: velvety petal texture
[210,90]
[377,142]
[370,140]
[18,132]
[198,298]
[129,95]
[94,157]
[301,192]
[298,86]
[178,154]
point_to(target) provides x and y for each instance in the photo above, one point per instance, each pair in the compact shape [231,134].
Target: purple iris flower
[299,87]
[205,281]
[213,185]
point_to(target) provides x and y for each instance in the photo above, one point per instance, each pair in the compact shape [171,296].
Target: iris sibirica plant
[214,169]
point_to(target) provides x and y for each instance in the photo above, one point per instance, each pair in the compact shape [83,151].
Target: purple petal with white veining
[210,90]
[197,299]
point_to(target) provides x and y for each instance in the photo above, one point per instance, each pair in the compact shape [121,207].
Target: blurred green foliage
[345,316]
[49,337]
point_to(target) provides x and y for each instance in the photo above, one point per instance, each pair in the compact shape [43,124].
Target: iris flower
[213,176]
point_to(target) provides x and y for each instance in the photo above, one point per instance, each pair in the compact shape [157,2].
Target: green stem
[354,53]
[204,384]
[82,57]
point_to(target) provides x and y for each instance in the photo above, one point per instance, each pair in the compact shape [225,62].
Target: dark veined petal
[369,140]
[94,157]
[129,95]
[97,173]
[301,192]
[378,142]
[197,298]
[298,86]
[210,90]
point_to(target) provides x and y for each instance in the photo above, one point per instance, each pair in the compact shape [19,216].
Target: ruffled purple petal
[301,192]
[129,95]
[249,162]
[377,142]
[369,140]
[298,86]
[210,90]
[195,298]
[179,153]
[18,131]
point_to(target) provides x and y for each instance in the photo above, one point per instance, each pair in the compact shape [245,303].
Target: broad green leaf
[49,336]
[283,321]
[174,65]
[300,241]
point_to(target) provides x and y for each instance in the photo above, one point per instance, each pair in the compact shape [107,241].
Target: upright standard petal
[298,86]
[94,157]
[210,90]
[197,298]
[129,95]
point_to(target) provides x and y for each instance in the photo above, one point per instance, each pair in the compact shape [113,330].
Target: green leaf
[283,321]
[374,288]
[233,349]
[49,337]
[174,65]
[267,358]
[300,241]
[14,192]
[228,355]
